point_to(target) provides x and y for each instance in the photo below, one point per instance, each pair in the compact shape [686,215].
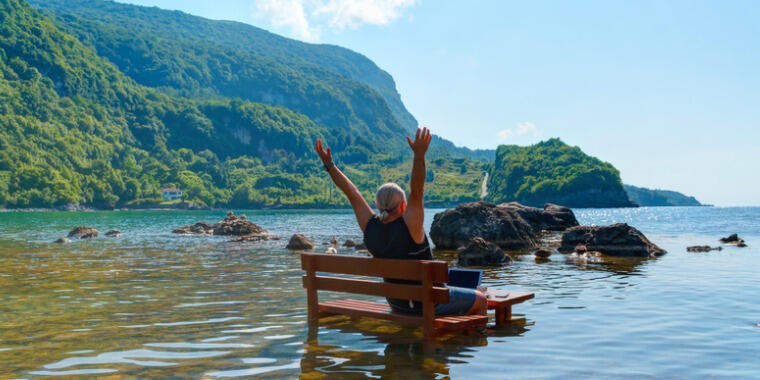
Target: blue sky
[667,91]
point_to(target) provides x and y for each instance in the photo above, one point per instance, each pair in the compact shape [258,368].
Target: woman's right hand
[325,156]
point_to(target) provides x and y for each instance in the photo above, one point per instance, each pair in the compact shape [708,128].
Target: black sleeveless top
[393,241]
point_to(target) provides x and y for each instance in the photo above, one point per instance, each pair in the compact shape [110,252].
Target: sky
[666,91]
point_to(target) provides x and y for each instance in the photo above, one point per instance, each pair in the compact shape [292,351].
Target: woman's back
[393,241]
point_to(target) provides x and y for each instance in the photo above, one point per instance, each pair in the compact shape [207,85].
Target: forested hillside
[197,57]
[554,172]
[74,129]
[649,197]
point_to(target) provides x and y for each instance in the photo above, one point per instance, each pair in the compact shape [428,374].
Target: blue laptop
[465,278]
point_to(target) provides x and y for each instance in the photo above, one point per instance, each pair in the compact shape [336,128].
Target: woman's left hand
[421,141]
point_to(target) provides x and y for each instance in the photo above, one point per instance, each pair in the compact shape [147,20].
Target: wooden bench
[427,272]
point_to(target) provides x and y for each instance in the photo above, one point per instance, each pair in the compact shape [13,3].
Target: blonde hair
[388,198]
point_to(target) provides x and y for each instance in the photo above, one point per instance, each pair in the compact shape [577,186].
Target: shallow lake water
[151,304]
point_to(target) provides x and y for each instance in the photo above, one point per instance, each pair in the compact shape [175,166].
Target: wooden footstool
[502,302]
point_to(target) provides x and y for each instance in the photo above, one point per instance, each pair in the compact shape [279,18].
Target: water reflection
[346,348]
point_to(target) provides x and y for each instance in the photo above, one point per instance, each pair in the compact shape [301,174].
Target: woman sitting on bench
[397,230]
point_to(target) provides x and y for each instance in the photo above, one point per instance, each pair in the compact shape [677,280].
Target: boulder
[614,240]
[113,233]
[349,243]
[360,246]
[83,232]
[62,240]
[454,228]
[703,248]
[200,228]
[733,239]
[480,252]
[551,218]
[299,242]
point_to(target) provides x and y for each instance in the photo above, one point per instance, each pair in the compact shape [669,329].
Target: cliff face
[554,172]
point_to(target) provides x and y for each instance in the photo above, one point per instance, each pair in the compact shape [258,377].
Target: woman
[397,230]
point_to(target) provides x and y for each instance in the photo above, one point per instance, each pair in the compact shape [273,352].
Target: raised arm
[361,209]
[414,216]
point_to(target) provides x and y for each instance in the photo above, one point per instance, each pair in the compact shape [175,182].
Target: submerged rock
[299,242]
[62,240]
[703,248]
[349,243]
[614,240]
[83,232]
[113,233]
[200,228]
[542,253]
[733,239]
[480,252]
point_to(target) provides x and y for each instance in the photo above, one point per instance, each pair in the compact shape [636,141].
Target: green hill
[196,57]
[74,129]
[649,197]
[554,172]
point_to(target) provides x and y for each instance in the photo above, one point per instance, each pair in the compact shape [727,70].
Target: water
[156,305]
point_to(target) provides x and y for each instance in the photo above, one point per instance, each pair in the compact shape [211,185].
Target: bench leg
[503,315]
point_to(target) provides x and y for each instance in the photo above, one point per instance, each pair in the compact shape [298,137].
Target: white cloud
[524,128]
[307,18]
[355,13]
[286,13]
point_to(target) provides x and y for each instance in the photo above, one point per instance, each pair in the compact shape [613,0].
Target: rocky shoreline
[481,234]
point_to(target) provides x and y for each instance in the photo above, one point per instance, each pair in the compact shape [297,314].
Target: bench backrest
[426,271]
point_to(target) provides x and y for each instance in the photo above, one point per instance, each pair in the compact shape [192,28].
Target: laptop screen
[465,278]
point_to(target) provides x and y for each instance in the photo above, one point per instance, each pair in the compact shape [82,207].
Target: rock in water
[454,228]
[360,246]
[232,225]
[733,239]
[82,232]
[200,228]
[480,252]
[62,240]
[614,240]
[703,248]
[542,253]
[299,242]
[349,243]
[113,233]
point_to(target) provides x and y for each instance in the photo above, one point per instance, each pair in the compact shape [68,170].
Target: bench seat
[358,308]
